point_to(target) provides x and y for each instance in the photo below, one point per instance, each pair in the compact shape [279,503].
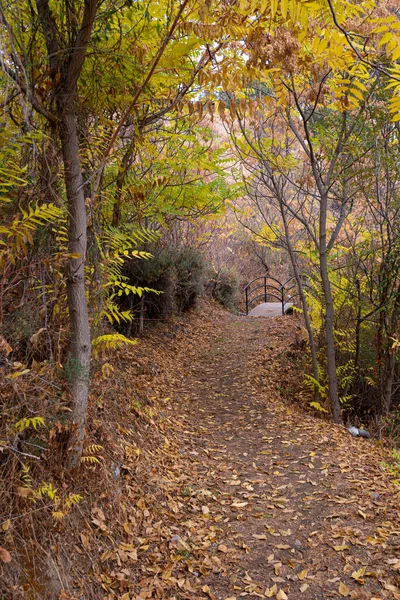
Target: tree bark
[79,363]
[307,320]
[65,73]
[329,315]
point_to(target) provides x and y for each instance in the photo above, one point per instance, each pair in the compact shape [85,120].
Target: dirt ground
[216,481]
[302,509]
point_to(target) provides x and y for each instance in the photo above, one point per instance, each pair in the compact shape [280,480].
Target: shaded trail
[300,509]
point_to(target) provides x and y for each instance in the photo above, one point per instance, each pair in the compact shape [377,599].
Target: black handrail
[278,291]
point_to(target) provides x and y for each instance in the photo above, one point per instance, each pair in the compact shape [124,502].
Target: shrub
[224,287]
[176,272]
[159,274]
[189,265]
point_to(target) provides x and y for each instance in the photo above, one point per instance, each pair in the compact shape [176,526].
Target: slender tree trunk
[78,310]
[388,373]
[329,316]
[65,69]
[141,316]
[303,300]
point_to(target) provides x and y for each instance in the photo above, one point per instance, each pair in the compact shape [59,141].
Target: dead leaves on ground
[238,501]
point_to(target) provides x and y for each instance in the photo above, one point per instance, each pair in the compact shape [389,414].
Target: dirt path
[299,508]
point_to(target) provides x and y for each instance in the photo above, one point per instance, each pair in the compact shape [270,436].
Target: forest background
[151,150]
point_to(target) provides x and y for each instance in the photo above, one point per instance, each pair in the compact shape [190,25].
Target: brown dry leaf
[395,563]
[205,510]
[302,575]
[358,575]
[269,592]
[5,556]
[223,548]
[390,587]
[304,587]
[5,526]
[281,595]
[85,541]
[206,590]
[341,548]
[5,346]
[343,590]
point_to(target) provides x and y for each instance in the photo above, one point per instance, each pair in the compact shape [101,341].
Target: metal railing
[271,289]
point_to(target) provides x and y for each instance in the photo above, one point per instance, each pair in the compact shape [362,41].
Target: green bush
[176,272]
[224,286]
[159,274]
[189,266]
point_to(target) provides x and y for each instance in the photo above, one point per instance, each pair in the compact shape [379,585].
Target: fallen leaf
[358,575]
[269,592]
[206,590]
[6,525]
[395,563]
[5,556]
[343,590]
[304,587]
[281,595]
[302,575]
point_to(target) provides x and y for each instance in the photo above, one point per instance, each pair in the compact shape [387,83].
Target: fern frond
[26,422]
[115,340]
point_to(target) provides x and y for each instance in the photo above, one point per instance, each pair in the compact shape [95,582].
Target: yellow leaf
[269,592]
[281,595]
[396,54]
[206,590]
[7,524]
[358,575]
[343,590]
[341,548]
[302,575]
[386,38]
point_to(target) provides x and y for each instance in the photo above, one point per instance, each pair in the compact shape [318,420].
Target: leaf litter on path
[235,492]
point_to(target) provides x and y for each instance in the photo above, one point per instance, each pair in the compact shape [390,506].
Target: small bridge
[273,297]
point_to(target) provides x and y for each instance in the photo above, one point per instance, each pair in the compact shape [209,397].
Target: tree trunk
[303,300]
[78,310]
[387,391]
[329,317]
